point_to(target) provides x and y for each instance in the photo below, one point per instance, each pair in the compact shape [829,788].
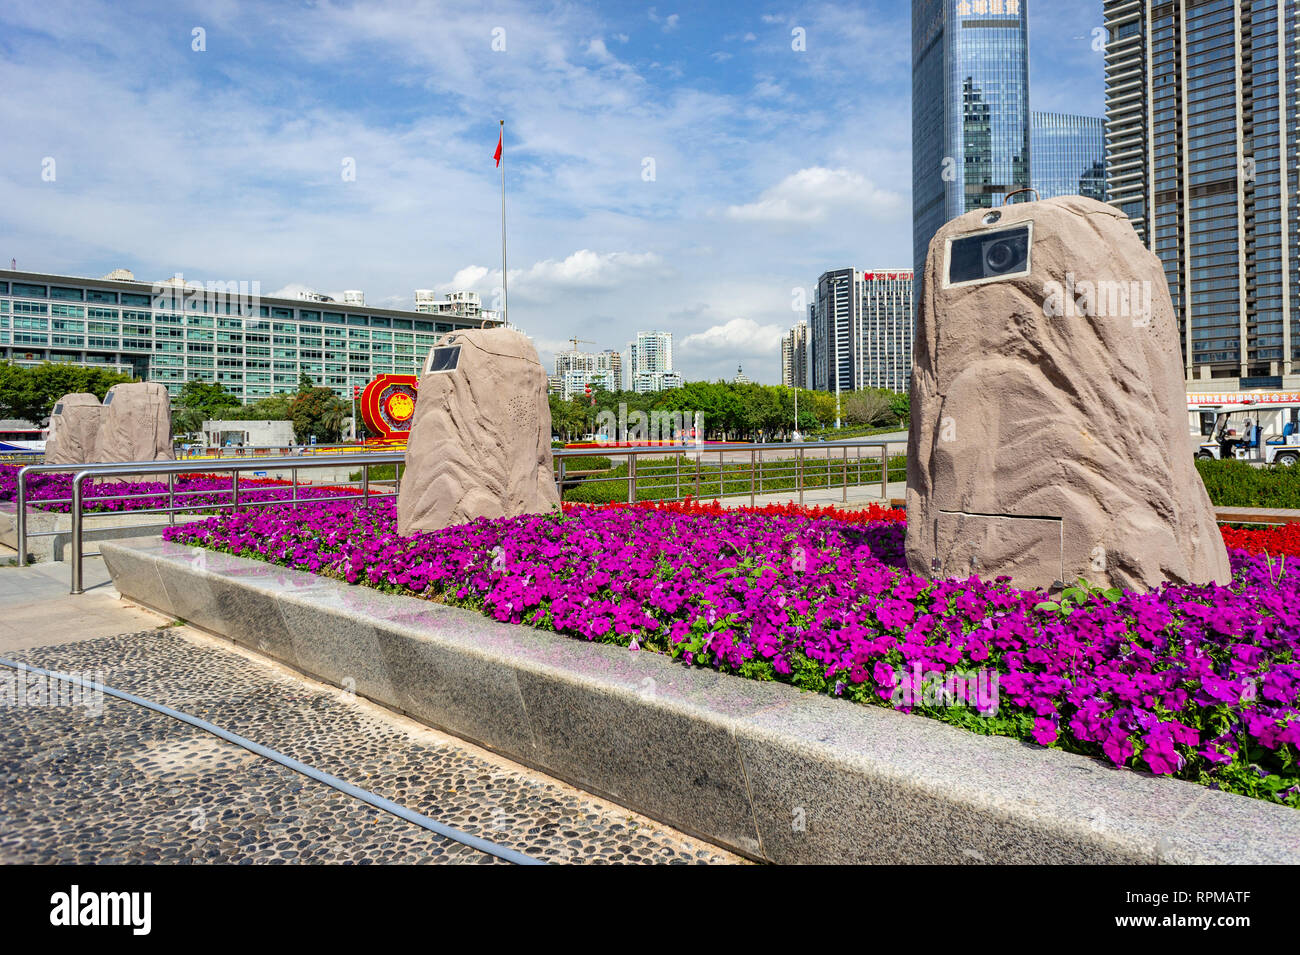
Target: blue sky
[668,167]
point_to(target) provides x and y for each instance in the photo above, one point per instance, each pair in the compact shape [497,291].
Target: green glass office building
[252,345]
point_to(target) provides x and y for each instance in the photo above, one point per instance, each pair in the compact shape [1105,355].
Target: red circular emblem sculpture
[388,406]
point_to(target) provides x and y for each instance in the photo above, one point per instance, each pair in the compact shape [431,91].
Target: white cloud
[583,269]
[290,291]
[812,195]
[470,277]
[740,337]
[586,269]
[668,23]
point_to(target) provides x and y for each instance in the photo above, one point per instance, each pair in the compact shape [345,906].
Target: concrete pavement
[126,785]
[36,609]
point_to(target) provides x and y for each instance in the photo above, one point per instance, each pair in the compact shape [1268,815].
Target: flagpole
[505,296]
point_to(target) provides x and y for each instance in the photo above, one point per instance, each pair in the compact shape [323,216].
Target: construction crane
[575,340]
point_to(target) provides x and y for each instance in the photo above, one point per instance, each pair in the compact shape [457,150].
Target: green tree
[901,405]
[868,407]
[318,413]
[274,408]
[206,397]
[201,401]
[30,393]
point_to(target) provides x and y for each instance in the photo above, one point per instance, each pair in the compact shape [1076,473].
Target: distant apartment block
[578,370]
[650,362]
[1202,151]
[794,357]
[614,360]
[861,330]
[647,382]
[462,304]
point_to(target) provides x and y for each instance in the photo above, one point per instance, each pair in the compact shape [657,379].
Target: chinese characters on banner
[989,8]
[1243,398]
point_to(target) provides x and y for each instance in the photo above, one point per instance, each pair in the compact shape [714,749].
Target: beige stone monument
[1049,436]
[480,443]
[73,430]
[136,424]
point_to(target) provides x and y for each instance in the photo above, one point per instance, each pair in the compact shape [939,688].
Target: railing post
[234,488]
[171,498]
[631,478]
[20,517]
[76,532]
[677,478]
[365,485]
[799,474]
[753,487]
[884,473]
[293,491]
[846,473]
[559,481]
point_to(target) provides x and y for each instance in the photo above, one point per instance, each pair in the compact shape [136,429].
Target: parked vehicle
[1238,433]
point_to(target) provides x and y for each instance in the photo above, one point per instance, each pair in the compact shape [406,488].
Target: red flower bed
[1280,541]
[871,514]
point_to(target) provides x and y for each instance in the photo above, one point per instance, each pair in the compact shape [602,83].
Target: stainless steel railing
[765,468]
[274,450]
[81,473]
[737,470]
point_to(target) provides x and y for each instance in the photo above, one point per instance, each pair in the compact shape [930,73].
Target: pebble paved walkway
[132,786]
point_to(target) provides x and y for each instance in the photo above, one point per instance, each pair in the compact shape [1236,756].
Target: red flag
[497,155]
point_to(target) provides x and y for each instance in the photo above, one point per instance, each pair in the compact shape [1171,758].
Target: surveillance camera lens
[989,255]
[1000,256]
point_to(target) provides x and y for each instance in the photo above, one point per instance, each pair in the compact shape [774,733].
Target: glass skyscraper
[970,110]
[862,330]
[1068,155]
[1202,130]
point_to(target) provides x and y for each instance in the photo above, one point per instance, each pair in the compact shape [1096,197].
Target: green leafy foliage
[1234,483]
[1080,595]
[29,394]
[318,413]
[735,412]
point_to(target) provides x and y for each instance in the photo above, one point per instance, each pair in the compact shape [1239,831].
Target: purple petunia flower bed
[1201,683]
